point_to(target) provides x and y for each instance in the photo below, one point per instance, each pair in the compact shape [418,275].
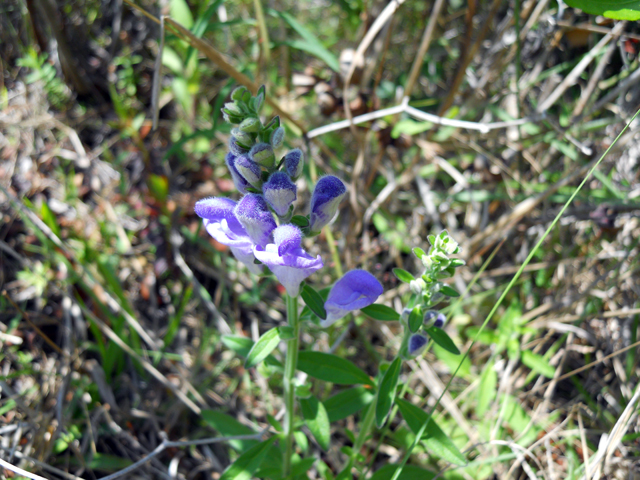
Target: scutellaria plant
[263,232]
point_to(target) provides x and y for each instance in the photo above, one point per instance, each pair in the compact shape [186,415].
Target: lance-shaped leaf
[228,426]
[387,391]
[246,464]
[317,420]
[262,348]
[331,368]
[313,300]
[434,438]
[441,338]
[380,312]
[347,402]
[402,275]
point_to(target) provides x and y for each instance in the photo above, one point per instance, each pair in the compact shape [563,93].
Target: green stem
[365,428]
[290,364]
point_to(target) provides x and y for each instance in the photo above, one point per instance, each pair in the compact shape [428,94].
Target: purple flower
[249,170]
[434,319]
[238,180]
[222,224]
[355,290]
[254,215]
[279,192]
[417,343]
[293,163]
[325,200]
[262,154]
[286,258]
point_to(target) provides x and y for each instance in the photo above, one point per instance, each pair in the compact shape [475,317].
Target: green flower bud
[250,125]
[262,154]
[244,139]
[237,93]
[277,137]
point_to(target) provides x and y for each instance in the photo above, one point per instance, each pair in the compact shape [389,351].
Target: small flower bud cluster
[429,290]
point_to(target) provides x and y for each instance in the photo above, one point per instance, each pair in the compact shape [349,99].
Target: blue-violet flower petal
[355,290]
[287,260]
[417,343]
[254,215]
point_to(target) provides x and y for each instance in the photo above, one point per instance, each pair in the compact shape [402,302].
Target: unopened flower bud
[235,148]
[254,215]
[294,163]
[242,138]
[262,154]
[325,200]
[434,319]
[277,137]
[417,343]
[417,285]
[237,93]
[233,109]
[249,170]
[238,180]
[279,192]
[250,125]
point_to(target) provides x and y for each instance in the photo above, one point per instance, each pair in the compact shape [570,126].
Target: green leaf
[380,312]
[247,463]
[409,472]
[403,275]
[449,291]
[537,363]
[228,426]
[434,438]
[616,9]
[347,402]
[262,348]
[487,389]
[49,218]
[180,12]
[243,345]
[239,344]
[331,368]
[441,338]
[313,300]
[307,314]
[310,43]
[387,391]
[418,252]
[415,319]
[317,420]
[300,221]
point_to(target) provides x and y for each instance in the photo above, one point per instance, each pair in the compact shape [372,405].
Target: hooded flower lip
[355,290]
[238,180]
[249,170]
[222,224]
[253,214]
[279,192]
[294,163]
[286,258]
[417,343]
[325,200]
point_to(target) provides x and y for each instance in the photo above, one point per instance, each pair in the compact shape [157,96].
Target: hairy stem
[289,388]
